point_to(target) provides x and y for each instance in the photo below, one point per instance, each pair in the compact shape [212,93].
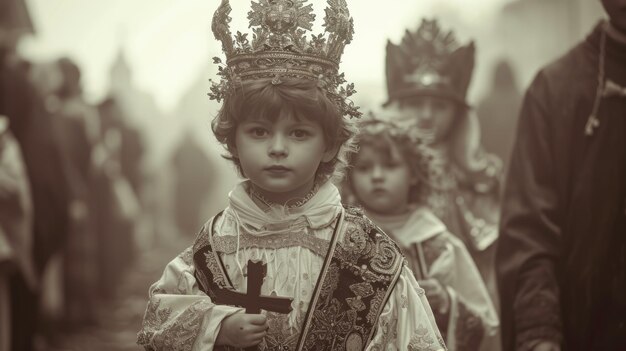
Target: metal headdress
[429,61]
[279,48]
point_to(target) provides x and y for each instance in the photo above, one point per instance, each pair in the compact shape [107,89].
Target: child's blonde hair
[385,137]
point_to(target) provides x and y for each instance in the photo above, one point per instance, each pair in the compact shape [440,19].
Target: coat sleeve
[530,231]
[179,315]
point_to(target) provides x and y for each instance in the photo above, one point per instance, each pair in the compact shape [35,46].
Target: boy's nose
[278,146]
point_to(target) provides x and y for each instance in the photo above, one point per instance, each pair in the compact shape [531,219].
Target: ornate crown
[429,62]
[279,48]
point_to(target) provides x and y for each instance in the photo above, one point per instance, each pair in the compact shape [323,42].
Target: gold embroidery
[279,336]
[228,243]
[404,303]
[332,280]
[384,328]
[187,256]
[376,305]
[380,258]
[216,270]
[178,333]
[152,319]
[202,239]
[361,291]
[354,244]
[332,324]
[386,259]
[421,341]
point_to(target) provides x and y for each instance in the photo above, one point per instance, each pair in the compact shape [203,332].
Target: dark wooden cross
[252,300]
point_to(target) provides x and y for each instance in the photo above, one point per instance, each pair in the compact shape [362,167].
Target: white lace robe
[182,317]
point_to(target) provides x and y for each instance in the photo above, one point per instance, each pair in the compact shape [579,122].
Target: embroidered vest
[360,270]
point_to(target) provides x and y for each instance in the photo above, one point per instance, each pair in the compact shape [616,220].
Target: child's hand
[436,294]
[242,330]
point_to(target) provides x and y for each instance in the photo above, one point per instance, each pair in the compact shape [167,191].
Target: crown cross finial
[284,15]
[279,46]
[281,19]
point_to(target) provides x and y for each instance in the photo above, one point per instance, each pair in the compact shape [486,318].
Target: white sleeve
[179,315]
[407,322]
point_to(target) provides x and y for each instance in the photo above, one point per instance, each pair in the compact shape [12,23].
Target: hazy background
[166,47]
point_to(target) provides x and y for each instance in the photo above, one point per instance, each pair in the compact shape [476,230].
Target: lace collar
[318,212]
[417,226]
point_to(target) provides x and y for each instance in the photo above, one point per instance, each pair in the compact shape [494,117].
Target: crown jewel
[279,47]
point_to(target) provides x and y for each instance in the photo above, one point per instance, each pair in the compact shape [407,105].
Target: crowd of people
[70,180]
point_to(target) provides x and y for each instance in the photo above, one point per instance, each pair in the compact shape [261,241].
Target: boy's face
[281,158]
[381,183]
[432,115]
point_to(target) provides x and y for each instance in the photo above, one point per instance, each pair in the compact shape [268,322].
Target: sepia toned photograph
[260,175]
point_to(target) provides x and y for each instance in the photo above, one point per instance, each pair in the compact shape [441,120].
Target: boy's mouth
[277,169]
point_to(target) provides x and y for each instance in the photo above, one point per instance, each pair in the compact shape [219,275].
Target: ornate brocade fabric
[359,274]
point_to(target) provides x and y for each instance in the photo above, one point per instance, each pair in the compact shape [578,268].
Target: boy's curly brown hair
[300,98]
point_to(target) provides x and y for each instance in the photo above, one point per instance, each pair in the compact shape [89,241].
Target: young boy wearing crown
[309,273]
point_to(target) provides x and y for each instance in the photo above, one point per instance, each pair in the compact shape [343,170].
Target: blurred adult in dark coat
[32,126]
[562,250]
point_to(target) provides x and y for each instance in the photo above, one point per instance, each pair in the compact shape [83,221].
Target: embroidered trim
[298,203]
[228,244]
[353,293]
[279,337]
[187,256]
[320,281]
[421,341]
[178,333]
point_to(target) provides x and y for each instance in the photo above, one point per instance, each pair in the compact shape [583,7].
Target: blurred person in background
[77,124]
[192,183]
[116,206]
[15,228]
[428,74]
[32,126]
[498,113]
[562,253]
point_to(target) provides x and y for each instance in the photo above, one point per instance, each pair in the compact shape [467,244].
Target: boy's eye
[258,132]
[300,133]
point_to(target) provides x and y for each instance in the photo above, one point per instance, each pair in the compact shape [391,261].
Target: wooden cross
[252,300]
